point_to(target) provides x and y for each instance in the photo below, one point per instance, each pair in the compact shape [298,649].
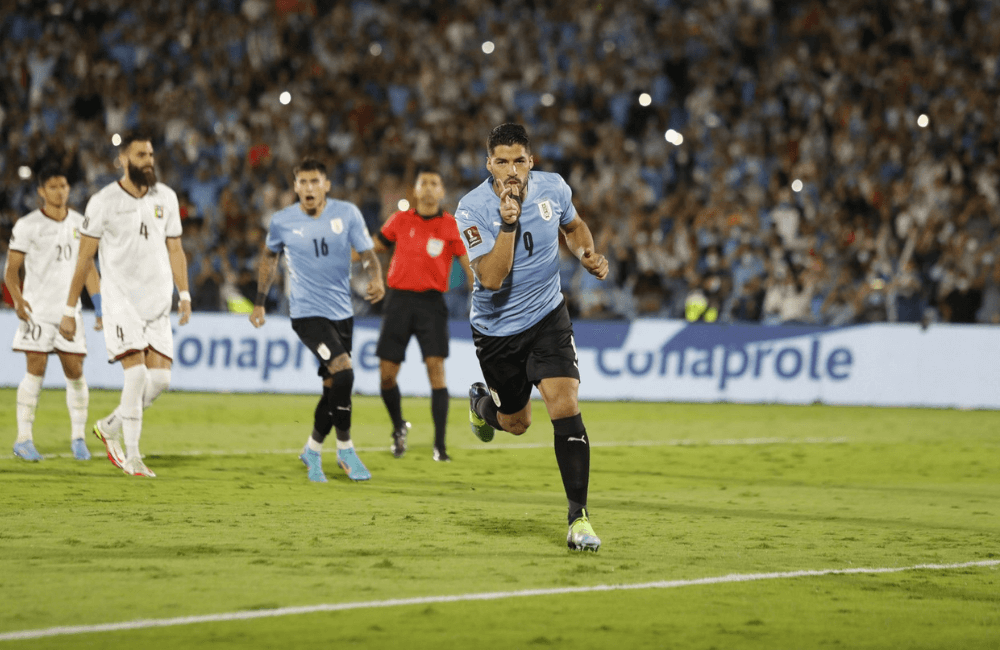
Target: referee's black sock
[393,405]
[439,412]
[323,418]
[487,409]
[573,456]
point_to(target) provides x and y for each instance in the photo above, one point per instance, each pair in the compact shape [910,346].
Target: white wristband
[184,295]
[69,312]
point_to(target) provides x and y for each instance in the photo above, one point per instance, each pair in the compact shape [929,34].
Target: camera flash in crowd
[24,172]
[923,120]
[403,205]
[116,140]
[645,99]
[375,49]
[796,185]
[674,138]
[285,98]
[488,47]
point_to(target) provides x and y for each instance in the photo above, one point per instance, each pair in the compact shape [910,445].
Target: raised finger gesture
[510,207]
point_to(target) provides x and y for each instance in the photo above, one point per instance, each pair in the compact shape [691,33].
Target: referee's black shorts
[328,339]
[406,313]
[513,364]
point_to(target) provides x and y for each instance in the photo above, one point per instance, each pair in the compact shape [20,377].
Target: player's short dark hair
[508,135]
[426,170]
[309,165]
[133,136]
[48,171]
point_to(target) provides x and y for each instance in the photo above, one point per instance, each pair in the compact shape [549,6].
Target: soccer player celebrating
[426,239]
[520,324]
[317,235]
[46,243]
[135,225]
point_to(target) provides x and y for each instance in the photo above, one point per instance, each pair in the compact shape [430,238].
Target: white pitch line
[247,615]
[516,445]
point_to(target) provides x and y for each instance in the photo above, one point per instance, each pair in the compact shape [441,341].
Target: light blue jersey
[319,256]
[532,288]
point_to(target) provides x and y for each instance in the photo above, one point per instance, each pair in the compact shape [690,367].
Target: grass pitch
[678,492]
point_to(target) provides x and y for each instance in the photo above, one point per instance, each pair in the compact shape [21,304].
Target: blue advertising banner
[645,360]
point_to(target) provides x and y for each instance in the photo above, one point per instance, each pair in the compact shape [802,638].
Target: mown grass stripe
[724,442]
[495,595]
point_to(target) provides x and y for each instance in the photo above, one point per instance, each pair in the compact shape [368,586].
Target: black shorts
[513,364]
[328,339]
[406,313]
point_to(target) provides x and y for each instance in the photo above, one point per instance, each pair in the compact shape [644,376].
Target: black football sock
[487,409]
[393,404]
[439,412]
[340,403]
[573,456]
[323,418]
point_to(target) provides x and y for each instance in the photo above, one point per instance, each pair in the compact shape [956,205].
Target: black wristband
[261,297]
[508,227]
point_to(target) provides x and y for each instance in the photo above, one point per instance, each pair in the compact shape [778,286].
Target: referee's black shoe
[399,440]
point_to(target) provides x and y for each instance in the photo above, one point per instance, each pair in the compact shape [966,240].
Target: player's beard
[142,176]
[519,190]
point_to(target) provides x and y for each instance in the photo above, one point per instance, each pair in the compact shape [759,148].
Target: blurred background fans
[765,161]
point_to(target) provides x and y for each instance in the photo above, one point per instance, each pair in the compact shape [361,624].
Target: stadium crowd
[839,161]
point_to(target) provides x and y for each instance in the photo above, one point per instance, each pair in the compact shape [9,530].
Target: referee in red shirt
[426,239]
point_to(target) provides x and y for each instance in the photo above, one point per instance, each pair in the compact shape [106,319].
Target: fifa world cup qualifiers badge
[158,211]
[472,236]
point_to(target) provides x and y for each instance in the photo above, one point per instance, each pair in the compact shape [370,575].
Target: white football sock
[130,408]
[157,381]
[27,401]
[345,444]
[315,446]
[111,425]
[77,400]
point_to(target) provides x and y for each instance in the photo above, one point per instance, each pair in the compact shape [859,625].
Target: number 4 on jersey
[143,230]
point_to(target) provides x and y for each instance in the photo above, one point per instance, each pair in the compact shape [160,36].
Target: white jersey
[134,263]
[50,250]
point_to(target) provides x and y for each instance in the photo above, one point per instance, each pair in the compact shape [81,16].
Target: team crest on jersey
[434,247]
[76,234]
[337,225]
[158,211]
[545,208]
[472,236]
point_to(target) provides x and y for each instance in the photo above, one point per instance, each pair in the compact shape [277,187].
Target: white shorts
[126,332]
[45,338]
